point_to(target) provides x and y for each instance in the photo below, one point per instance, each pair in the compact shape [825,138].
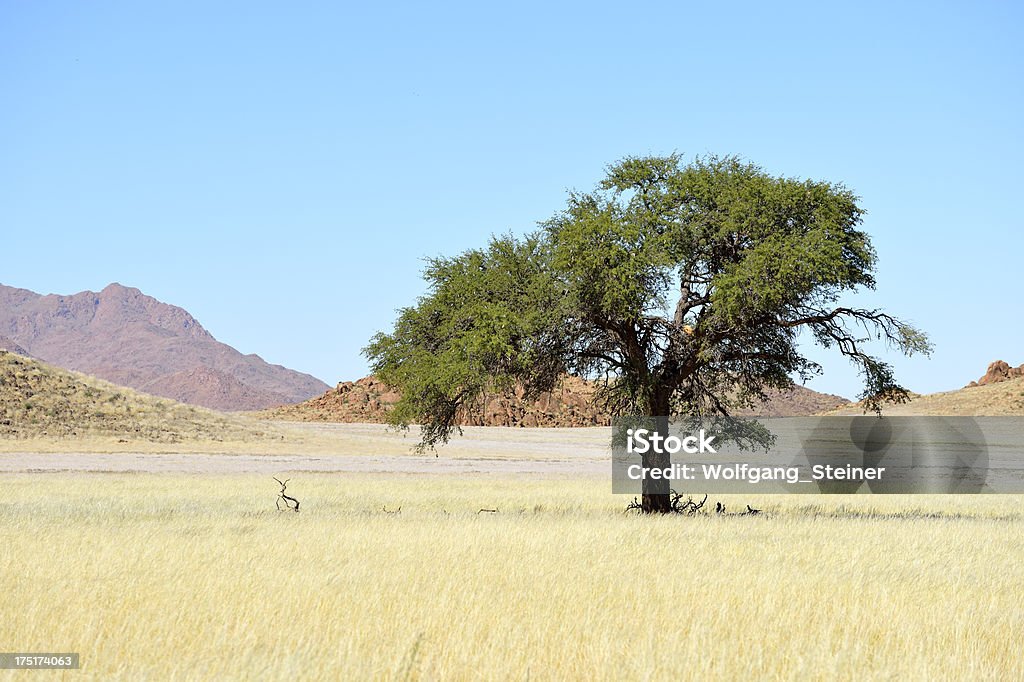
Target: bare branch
[290,503]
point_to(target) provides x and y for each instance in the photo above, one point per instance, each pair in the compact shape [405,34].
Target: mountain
[123,336]
[38,400]
[571,404]
[8,345]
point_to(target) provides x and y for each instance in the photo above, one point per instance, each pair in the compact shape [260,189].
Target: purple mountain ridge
[125,337]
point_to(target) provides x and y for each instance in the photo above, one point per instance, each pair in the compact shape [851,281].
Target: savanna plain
[491,571]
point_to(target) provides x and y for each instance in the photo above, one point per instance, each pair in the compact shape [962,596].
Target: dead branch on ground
[689,507]
[290,503]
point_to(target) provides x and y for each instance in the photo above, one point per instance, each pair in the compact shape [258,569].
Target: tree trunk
[657,498]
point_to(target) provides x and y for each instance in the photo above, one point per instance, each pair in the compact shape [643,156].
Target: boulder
[1000,371]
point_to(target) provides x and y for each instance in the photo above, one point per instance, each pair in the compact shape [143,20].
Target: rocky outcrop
[369,400]
[998,371]
[570,404]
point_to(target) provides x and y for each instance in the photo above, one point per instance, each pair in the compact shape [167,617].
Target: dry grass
[40,402]
[179,577]
[1005,398]
[48,409]
[155,576]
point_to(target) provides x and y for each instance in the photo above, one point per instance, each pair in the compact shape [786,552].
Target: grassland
[185,570]
[40,403]
[198,577]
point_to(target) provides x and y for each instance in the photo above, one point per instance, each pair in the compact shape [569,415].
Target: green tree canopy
[682,287]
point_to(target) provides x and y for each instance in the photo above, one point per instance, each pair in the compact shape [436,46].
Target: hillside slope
[1000,392]
[40,400]
[9,345]
[122,335]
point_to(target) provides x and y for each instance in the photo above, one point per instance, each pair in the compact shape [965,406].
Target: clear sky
[280,169]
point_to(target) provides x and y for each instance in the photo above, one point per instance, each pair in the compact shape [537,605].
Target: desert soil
[362,448]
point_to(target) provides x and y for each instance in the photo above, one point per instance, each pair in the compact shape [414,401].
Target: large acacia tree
[681,288]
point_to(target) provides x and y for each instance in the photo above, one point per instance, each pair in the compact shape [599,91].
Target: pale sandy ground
[362,448]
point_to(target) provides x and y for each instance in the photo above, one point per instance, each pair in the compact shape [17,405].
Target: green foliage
[486,323]
[682,287]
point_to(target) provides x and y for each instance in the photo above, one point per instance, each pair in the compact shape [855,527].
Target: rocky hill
[38,400]
[998,371]
[797,402]
[368,400]
[1000,392]
[122,335]
[571,404]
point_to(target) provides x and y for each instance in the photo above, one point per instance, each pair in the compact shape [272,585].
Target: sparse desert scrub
[186,577]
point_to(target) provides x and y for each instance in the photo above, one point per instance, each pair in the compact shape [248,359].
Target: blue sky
[280,170]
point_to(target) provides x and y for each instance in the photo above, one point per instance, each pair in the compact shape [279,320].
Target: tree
[683,289]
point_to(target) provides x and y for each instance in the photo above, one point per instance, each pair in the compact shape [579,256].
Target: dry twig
[290,503]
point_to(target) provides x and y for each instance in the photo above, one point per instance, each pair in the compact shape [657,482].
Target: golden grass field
[143,534]
[198,577]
